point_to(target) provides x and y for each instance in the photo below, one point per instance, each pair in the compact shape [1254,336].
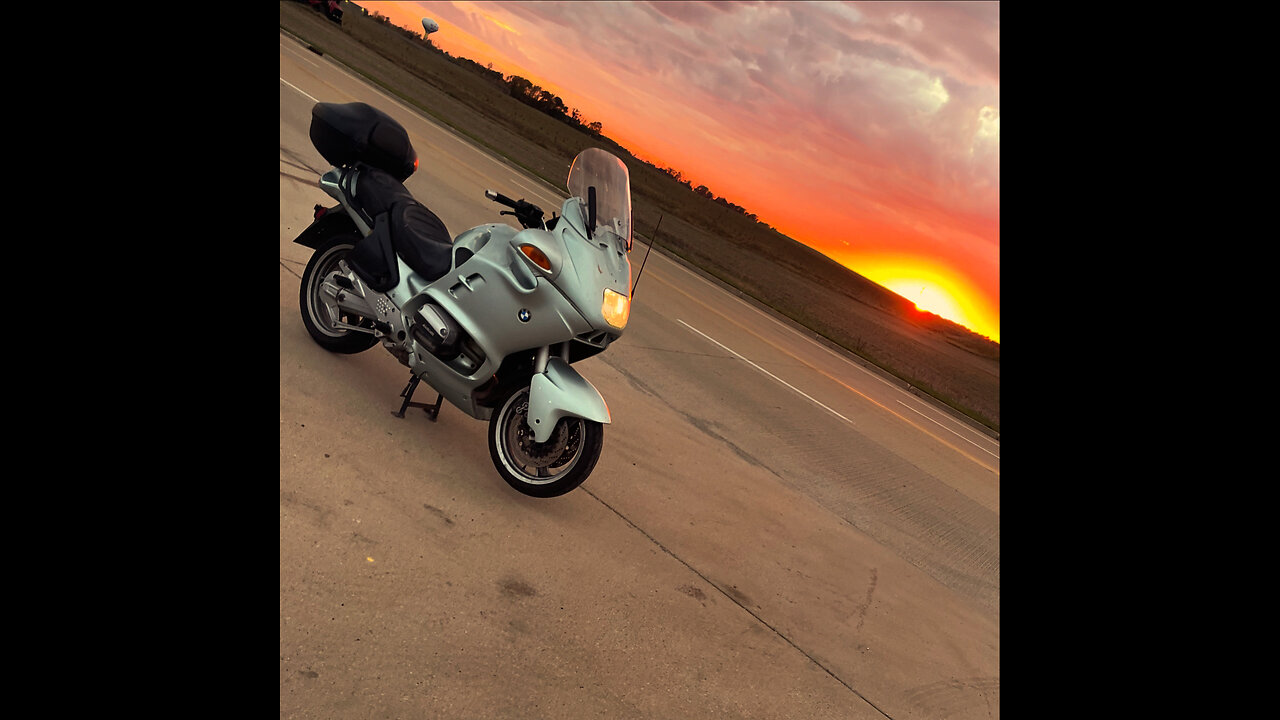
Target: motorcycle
[492,319]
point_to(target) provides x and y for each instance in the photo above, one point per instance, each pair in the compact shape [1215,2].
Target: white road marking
[953,432]
[737,295]
[766,372]
[295,87]
[733,294]
[535,192]
[299,56]
[463,142]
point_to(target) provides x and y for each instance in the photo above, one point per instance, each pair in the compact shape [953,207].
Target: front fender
[333,222]
[562,392]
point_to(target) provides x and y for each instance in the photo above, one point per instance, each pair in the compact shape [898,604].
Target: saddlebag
[345,133]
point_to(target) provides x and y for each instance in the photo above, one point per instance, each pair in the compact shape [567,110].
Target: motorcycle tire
[315,315]
[548,469]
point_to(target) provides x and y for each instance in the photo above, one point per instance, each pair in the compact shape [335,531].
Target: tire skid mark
[862,609]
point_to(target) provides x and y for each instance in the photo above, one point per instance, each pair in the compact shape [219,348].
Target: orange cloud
[869,132]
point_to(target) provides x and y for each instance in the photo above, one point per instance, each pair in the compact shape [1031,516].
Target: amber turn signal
[538,257]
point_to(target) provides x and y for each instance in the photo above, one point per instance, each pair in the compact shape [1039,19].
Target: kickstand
[432,410]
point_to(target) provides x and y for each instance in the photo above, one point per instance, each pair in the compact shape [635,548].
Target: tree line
[703,190]
[517,87]
[548,103]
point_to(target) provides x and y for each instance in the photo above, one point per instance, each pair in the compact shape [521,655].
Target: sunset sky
[868,131]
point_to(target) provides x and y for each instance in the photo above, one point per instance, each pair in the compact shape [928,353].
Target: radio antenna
[652,241]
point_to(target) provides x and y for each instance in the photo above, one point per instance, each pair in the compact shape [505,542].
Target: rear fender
[334,221]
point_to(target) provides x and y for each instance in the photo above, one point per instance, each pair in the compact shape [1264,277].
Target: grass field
[932,355]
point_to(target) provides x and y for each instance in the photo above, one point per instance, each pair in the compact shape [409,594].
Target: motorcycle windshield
[596,168]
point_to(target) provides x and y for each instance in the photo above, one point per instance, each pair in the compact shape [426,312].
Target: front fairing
[592,266]
[595,230]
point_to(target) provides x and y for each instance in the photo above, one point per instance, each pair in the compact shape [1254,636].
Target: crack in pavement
[734,599]
[291,272]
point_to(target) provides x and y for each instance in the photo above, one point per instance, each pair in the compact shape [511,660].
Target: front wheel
[546,469]
[319,308]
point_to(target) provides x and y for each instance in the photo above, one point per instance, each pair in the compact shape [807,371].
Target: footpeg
[432,410]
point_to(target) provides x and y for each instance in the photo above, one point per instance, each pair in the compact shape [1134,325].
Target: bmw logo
[523,315]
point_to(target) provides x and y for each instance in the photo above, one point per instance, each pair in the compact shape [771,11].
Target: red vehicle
[331,8]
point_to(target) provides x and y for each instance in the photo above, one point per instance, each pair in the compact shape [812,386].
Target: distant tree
[550,103]
[519,87]
[546,101]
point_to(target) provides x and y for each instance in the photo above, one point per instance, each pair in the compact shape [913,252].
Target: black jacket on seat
[377,191]
[421,239]
[401,225]
[374,258]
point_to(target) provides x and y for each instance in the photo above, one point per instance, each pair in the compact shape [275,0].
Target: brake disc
[538,454]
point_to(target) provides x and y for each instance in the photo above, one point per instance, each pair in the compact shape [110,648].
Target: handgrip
[499,197]
[527,213]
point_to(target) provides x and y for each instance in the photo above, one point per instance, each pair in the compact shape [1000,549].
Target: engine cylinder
[437,333]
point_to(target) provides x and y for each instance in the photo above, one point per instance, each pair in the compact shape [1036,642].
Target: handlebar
[499,197]
[527,213]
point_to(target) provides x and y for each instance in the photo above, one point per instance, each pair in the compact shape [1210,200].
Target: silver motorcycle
[493,319]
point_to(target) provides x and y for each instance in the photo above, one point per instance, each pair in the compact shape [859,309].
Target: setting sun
[929,297]
[933,288]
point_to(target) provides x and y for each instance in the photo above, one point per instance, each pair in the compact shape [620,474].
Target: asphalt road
[772,531]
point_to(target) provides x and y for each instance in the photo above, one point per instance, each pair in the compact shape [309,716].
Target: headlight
[615,309]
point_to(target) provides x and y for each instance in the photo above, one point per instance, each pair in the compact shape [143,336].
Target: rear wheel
[319,306]
[546,469]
